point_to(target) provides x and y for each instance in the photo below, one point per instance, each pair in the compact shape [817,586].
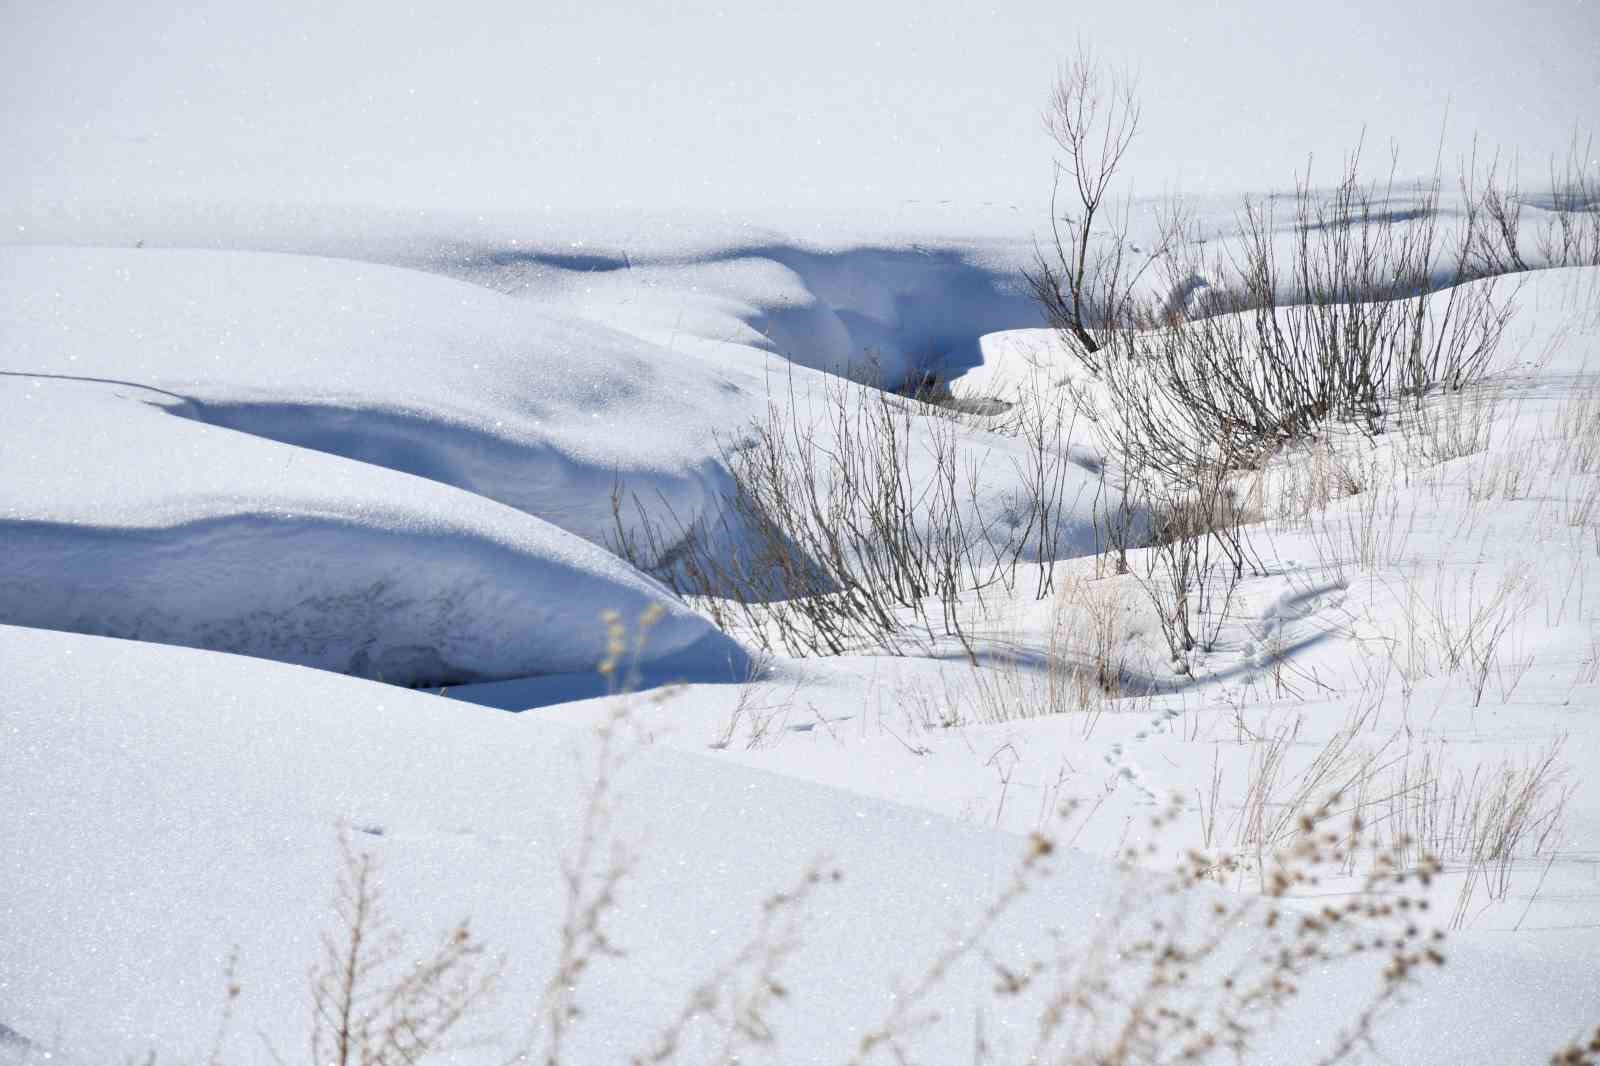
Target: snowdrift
[123,520]
[522,404]
[880,313]
[363,469]
[145,782]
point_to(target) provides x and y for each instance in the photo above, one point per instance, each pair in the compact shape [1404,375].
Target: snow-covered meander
[379,471]
[1419,640]
[417,422]
[342,402]
[1443,560]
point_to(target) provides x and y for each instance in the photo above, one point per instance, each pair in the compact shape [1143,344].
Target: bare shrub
[1198,553]
[1480,823]
[817,550]
[1567,232]
[1174,974]
[373,1001]
[1273,350]
[1494,217]
[1045,418]
[1088,662]
[855,517]
[1570,235]
[1341,332]
[1085,278]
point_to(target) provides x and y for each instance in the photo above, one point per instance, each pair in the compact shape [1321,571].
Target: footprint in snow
[1128,771]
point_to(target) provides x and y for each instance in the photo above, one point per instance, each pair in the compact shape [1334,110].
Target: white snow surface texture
[180,804]
[355,467]
[327,329]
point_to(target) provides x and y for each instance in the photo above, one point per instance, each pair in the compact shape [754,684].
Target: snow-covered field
[351,359]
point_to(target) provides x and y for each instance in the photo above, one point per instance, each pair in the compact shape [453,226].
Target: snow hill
[346,348]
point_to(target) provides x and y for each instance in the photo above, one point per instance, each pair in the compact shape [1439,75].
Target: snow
[181,804]
[315,415]
[899,108]
[409,371]
[328,333]
[295,555]
[315,505]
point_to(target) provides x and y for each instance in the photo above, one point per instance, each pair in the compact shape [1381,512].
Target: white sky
[487,105]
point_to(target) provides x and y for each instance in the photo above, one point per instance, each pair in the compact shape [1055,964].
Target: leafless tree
[1084,279]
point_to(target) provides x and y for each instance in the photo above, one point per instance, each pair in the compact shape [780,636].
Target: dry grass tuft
[1579,1052]
[374,1000]
[1179,974]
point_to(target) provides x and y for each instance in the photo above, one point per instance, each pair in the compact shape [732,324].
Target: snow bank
[523,404]
[361,468]
[124,520]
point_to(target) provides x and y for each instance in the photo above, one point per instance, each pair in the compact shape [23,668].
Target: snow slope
[521,404]
[327,428]
[358,468]
[290,554]
[182,804]
[327,331]
[898,108]
[1470,517]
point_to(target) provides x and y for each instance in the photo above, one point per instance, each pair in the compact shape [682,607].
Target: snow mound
[520,403]
[879,313]
[123,520]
